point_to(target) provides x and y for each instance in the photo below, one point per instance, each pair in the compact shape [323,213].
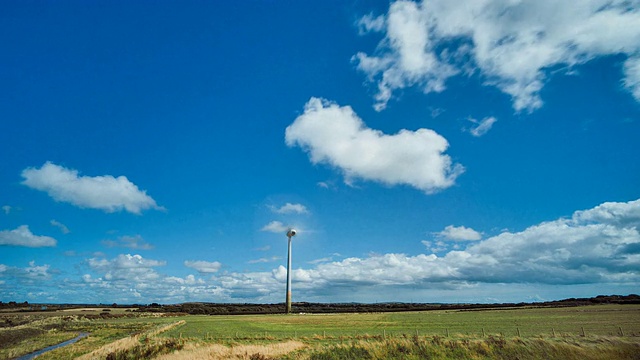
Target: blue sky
[429,151]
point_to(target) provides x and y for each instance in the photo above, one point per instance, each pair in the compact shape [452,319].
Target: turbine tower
[290,233]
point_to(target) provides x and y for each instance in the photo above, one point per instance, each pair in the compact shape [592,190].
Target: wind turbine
[290,233]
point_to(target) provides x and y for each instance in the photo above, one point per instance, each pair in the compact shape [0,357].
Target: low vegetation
[604,331]
[490,348]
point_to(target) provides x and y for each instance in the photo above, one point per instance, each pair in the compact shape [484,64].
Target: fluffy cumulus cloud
[459,233]
[512,43]
[106,192]
[595,246]
[290,208]
[22,236]
[126,268]
[203,266]
[275,227]
[132,278]
[26,279]
[335,135]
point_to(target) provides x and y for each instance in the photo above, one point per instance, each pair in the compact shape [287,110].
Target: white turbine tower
[290,233]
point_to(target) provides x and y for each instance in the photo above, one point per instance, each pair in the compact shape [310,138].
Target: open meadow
[584,332]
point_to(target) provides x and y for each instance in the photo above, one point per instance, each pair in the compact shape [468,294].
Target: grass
[595,320]
[553,333]
[489,348]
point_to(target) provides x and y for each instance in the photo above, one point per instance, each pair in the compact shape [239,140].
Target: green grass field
[610,331]
[595,320]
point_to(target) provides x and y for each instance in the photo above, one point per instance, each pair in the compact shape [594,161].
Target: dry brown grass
[127,343]
[218,351]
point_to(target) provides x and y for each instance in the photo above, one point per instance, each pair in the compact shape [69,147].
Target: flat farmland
[593,320]
[583,332]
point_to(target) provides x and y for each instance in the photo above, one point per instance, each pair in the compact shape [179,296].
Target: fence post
[621,332]
[482,332]
[582,327]
[553,332]
[447,332]
[518,331]
[384,333]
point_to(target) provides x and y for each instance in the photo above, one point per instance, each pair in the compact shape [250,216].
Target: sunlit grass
[524,333]
[595,320]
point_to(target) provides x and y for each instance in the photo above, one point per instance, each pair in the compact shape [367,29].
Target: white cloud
[275,227]
[37,271]
[61,226]
[25,277]
[459,233]
[370,23]
[290,208]
[22,236]
[632,76]
[335,135]
[100,192]
[482,126]
[126,268]
[203,266]
[435,247]
[131,242]
[596,246]
[264,260]
[323,184]
[6,209]
[512,43]
[189,280]
[321,260]
[128,278]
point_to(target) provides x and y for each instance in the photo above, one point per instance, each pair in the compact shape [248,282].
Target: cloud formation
[125,268]
[481,126]
[335,135]
[513,44]
[106,192]
[61,226]
[290,208]
[127,278]
[22,236]
[6,209]
[459,233]
[275,227]
[131,242]
[598,246]
[203,266]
